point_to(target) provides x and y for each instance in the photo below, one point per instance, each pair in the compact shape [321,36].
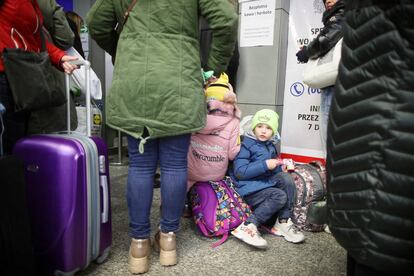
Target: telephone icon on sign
[297,89]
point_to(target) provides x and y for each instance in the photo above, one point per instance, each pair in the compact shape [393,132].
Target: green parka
[371,135]
[157,82]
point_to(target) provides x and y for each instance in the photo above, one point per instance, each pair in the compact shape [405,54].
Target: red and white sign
[301,120]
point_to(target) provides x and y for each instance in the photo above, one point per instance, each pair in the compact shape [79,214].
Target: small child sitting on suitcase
[263,183]
[212,147]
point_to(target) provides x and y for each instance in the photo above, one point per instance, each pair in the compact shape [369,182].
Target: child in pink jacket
[218,142]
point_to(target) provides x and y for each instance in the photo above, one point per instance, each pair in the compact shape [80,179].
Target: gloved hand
[302,55]
[207,75]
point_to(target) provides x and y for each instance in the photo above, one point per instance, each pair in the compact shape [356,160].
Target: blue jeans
[277,200]
[171,153]
[326,100]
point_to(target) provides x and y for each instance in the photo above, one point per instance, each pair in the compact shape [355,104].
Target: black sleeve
[326,39]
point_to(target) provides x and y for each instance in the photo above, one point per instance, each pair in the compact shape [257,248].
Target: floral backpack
[309,209]
[217,208]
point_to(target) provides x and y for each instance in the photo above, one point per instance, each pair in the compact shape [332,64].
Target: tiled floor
[319,255]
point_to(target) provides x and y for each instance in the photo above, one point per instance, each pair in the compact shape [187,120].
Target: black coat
[205,45]
[371,137]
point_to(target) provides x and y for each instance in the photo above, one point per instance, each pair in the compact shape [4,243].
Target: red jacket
[24,17]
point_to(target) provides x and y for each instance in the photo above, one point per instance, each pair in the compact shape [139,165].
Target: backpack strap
[226,221]
[203,229]
[225,235]
[227,187]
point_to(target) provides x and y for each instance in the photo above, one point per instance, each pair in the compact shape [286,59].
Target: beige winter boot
[166,245]
[139,253]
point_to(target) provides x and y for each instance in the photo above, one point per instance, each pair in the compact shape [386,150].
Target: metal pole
[119,162]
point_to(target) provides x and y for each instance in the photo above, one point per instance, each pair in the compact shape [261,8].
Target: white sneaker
[288,230]
[250,235]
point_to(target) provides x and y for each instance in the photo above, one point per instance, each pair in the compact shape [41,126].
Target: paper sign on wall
[257,23]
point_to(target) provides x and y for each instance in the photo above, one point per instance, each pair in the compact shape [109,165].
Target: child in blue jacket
[262,182]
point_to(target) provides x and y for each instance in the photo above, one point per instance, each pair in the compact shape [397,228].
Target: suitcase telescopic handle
[87,66]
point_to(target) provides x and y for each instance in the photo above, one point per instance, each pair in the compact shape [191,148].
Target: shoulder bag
[32,82]
[120,25]
[323,71]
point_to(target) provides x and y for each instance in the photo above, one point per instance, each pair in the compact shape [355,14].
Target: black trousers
[354,268]
[16,247]
[15,123]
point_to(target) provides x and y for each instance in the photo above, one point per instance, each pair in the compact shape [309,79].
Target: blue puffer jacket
[250,169]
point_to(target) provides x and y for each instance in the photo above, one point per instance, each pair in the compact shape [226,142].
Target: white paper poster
[301,121]
[257,19]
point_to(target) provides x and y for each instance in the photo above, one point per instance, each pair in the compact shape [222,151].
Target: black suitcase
[16,248]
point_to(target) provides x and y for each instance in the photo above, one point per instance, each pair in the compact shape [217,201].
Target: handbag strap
[119,26]
[40,28]
[43,40]
[14,31]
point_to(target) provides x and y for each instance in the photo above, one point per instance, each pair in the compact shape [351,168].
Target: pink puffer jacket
[212,147]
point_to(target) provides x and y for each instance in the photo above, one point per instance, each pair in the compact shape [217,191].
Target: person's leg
[2,112]
[173,163]
[140,182]
[284,226]
[187,212]
[285,182]
[353,268]
[326,99]
[14,123]
[350,265]
[265,203]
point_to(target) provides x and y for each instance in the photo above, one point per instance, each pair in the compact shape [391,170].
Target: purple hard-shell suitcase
[67,178]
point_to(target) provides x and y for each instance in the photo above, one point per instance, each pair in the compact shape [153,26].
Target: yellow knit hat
[218,89]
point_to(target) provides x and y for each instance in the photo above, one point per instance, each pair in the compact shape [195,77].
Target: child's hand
[273,163]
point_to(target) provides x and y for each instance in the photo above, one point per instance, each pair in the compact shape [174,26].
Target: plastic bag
[323,71]
[78,78]
[96,120]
